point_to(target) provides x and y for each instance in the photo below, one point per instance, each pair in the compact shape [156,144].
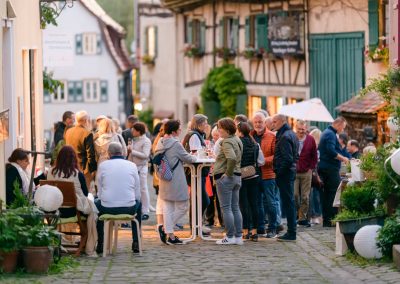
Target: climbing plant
[222,85]
[48,14]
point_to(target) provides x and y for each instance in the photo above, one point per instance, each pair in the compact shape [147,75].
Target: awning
[163,114]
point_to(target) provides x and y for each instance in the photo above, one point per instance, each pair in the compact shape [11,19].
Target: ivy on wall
[222,85]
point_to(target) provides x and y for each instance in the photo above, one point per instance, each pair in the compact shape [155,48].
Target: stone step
[396,256]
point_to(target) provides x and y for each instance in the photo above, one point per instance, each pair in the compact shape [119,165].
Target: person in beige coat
[66,169]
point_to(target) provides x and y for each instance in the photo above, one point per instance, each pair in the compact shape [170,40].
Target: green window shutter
[203,36]
[78,44]
[71,91]
[155,41]
[373,23]
[78,91]
[241,104]
[46,97]
[262,31]
[146,41]
[264,103]
[121,89]
[189,30]
[98,46]
[221,33]
[103,91]
[235,31]
[247,32]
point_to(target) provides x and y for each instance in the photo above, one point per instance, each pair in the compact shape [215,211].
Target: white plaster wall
[78,20]
[162,76]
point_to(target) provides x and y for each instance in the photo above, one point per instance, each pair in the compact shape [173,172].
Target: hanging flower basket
[148,59]
[225,53]
[192,51]
[377,54]
[253,53]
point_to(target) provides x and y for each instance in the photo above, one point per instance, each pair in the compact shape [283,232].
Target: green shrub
[389,235]
[360,198]
[10,228]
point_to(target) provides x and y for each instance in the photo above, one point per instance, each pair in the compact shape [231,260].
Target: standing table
[195,190]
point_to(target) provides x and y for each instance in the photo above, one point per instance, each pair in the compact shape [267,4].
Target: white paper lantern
[395,161]
[392,123]
[49,198]
[365,242]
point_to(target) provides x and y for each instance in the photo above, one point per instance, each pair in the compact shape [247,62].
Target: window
[91,90]
[274,104]
[195,33]
[150,41]
[229,32]
[61,96]
[89,41]
[378,22]
[256,31]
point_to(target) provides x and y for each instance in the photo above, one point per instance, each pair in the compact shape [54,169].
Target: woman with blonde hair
[106,135]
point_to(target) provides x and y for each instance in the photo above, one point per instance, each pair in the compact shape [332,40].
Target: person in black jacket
[16,174]
[285,159]
[68,120]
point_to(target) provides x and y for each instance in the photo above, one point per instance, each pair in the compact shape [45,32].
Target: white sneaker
[152,209]
[315,220]
[227,241]
[239,241]
[206,229]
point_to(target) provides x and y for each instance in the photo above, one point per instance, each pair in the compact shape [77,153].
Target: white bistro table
[196,191]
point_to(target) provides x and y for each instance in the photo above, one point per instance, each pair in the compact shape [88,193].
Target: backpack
[163,168]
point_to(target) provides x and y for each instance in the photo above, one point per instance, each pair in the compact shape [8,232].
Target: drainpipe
[215,33]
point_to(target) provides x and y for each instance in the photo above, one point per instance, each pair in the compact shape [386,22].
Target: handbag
[248,171]
[316,180]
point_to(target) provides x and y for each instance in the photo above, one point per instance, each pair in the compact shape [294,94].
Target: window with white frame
[61,95]
[91,90]
[151,41]
[89,41]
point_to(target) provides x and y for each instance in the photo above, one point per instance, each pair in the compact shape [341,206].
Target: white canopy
[309,110]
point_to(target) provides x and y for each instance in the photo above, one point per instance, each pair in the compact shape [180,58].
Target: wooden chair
[69,201]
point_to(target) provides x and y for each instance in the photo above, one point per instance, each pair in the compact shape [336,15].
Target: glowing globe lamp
[49,198]
[365,242]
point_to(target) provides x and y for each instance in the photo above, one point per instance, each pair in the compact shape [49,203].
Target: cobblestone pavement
[310,259]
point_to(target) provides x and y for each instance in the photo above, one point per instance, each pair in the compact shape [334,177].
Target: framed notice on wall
[4,125]
[286,33]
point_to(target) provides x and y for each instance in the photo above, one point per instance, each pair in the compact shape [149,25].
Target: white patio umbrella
[309,110]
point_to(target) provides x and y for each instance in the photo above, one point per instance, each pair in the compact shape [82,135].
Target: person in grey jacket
[174,194]
[139,153]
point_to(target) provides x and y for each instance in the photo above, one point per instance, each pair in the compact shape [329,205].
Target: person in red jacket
[308,159]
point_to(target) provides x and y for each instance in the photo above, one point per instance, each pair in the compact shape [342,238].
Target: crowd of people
[263,172]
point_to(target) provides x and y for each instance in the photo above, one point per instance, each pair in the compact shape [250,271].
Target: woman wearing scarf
[16,174]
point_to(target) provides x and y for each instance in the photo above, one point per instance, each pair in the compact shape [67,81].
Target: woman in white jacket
[139,153]
[106,135]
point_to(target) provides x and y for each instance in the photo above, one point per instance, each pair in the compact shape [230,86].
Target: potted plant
[225,53]
[193,51]
[38,243]
[377,54]
[10,228]
[389,235]
[253,53]
[358,210]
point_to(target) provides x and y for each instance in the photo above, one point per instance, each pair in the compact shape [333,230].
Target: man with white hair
[118,187]
[81,139]
[267,186]
[284,163]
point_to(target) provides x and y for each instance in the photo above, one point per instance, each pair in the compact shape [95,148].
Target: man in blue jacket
[331,157]
[285,159]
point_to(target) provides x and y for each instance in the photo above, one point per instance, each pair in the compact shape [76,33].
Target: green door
[336,68]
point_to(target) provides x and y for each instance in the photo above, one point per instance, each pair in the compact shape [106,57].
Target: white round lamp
[365,242]
[392,124]
[49,198]
[395,161]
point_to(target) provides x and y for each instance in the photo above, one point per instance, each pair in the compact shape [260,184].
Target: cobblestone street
[311,259]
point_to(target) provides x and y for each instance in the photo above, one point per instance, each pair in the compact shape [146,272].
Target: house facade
[288,50]
[86,51]
[21,112]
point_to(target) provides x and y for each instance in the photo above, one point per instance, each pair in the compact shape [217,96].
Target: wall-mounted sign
[58,49]
[285,34]
[4,125]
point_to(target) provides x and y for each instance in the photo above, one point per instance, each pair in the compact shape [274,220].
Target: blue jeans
[228,193]
[315,203]
[269,191]
[285,182]
[135,209]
